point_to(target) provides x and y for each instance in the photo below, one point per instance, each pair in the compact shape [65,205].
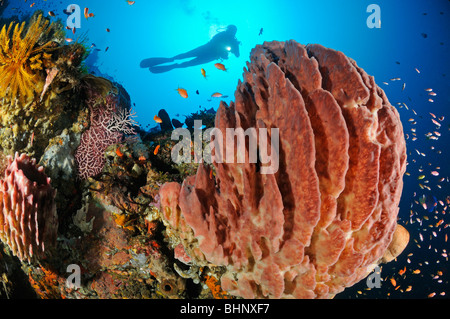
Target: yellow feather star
[21,59]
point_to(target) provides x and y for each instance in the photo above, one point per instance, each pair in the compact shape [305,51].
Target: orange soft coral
[21,58]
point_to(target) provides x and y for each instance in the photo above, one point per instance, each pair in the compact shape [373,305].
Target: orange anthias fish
[156,150]
[217,95]
[157,119]
[402,271]
[220,66]
[131,2]
[50,77]
[119,152]
[203,73]
[87,14]
[182,92]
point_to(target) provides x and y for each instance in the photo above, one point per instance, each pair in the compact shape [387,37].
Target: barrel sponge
[28,218]
[322,221]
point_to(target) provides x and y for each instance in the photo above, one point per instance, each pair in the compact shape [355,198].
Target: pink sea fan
[28,218]
[109,122]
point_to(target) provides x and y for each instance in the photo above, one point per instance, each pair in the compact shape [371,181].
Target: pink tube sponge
[28,219]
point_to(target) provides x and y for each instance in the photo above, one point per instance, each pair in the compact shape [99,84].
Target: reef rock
[327,216]
[28,219]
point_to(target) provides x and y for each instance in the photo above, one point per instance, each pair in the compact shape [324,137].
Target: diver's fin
[163,68]
[155,61]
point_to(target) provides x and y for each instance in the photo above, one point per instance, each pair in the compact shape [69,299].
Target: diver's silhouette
[217,48]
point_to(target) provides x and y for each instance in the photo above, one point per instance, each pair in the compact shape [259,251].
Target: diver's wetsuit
[218,48]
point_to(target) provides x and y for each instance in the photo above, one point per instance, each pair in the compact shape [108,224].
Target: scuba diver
[217,48]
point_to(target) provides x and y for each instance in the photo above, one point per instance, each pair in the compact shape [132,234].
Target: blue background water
[166,28]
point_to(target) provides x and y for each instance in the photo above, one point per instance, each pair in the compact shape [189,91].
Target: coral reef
[325,219]
[139,225]
[28,219]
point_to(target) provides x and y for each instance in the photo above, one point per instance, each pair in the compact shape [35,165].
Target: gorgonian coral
[109,122]
[21,58]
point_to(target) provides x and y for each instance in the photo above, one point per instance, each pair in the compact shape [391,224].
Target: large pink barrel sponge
[327,217]
[28,219]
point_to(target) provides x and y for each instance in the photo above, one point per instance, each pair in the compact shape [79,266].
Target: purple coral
[109,122]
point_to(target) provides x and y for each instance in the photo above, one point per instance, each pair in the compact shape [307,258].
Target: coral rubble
[326,217]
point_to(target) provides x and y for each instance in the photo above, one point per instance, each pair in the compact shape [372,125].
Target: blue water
[413,34]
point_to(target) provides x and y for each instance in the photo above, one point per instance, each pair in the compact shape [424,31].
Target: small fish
[432,94]
[69,40]
[203,72]
[119,152]
[417,271]
[404,86]
[430,100]
[393,282]
[107,48]
[402,271]
[131,2]
[86,13]
[436,122]
[421,177]
[32,5]
[220,66]
[51,13]
[217,95]
[435,173]
[157,119]
[108,30]
[156,150]
[428,90]
[183,93]
[417,70]
[73,30]
[51,74]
